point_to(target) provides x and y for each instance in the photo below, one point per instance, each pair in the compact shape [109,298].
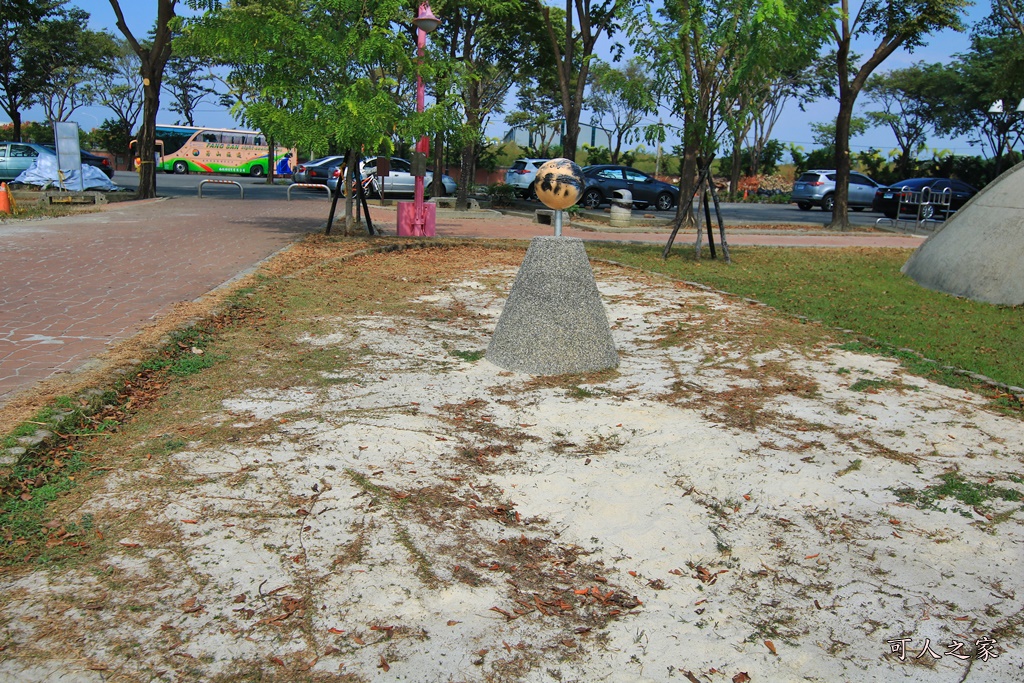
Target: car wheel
[180,167]
[828,203]
[531,192]
[927,212]
[804,206]
[664,202]
[890,214]
[592,198]
[857,208]
[256,171]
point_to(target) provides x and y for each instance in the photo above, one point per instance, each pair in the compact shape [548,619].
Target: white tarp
[43,172]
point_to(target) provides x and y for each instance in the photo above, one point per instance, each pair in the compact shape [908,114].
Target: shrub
[501,194]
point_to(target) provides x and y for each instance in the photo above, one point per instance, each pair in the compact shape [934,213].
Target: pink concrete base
[406,213]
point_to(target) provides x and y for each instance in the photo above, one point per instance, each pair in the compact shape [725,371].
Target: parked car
[522,175]
[91,159]
[399,181]
[15,157]
[316,170]
[603,180]
[907,195]
[818,188]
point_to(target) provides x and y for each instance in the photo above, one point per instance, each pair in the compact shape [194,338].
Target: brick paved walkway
[71,287]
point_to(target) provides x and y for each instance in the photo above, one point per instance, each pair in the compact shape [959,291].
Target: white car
[522,175]
[399,181]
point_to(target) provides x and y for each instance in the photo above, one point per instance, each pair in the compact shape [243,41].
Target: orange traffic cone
[5,199]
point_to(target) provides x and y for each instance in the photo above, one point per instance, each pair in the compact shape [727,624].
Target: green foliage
[768,159]
[823,157]
[620,98]
[905,109]
[113,135]
[340,83]
[824,134]
[597,155]
[40,42]
[31,131]
[502,194]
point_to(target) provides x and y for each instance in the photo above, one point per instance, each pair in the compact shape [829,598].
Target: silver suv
[818,188]
[522,174]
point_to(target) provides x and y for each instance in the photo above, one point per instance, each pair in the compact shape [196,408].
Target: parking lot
[258,189]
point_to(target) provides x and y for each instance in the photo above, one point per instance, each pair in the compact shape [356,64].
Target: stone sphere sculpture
[559,183]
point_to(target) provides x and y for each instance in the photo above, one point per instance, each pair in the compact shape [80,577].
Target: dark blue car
[603,180]
[927,198]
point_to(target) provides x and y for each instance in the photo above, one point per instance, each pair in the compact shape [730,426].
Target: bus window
[211,137]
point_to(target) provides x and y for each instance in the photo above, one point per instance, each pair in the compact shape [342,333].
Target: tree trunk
[618,146]
[436,185]
[734,172]
[16,122]
[348,181]
[688,172]
[271,166]
[147,134]
[840,210]
[572,132]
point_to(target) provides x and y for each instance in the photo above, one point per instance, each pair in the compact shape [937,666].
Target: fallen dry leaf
[335,630]
[384,664]
[741,677]
[771,647]
[191,606]
[690,677]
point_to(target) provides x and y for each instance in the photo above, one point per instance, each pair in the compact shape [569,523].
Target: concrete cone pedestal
[554,322]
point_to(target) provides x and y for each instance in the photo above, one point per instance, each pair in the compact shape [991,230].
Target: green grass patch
[857,289]
[185,355]
[955,486]
[469,356]
[852,467]
[873,386]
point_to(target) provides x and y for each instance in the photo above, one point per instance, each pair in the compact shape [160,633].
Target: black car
[936,197]
[317,170]
[603,180]
[99,162]
[91,159]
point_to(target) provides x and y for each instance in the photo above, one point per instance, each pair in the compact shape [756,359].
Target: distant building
[589,135]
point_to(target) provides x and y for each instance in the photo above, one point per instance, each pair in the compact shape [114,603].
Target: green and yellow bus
[187,149]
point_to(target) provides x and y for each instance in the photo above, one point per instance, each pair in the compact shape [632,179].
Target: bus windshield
[188,149]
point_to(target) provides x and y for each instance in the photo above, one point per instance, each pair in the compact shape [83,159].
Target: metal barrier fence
[924,205]
[237,184]
[311,185]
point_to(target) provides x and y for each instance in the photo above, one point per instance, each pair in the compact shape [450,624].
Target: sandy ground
[718,509]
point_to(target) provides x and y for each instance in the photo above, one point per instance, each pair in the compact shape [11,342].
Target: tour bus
[185,149]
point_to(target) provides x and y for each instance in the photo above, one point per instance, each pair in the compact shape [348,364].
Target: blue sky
[793,128]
